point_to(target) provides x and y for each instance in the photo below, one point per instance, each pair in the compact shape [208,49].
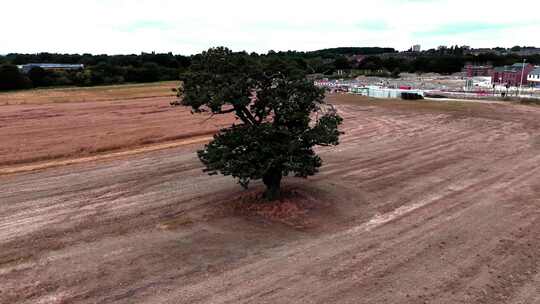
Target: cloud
[186,27]
[374,25]
[465,28]
[144,25]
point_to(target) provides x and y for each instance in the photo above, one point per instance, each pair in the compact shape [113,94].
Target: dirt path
[420,204]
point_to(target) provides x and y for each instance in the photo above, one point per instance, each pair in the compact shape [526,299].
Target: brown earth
[89,94]
[422,202]
[30,133]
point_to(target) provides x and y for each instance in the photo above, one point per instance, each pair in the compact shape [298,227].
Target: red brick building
[512,75]
[478,70]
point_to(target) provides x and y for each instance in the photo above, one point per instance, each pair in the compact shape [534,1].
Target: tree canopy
[281,117]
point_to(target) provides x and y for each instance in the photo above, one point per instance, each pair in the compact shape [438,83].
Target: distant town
[485,73]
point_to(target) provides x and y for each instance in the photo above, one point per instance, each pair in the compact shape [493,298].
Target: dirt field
[422,202]
[127,119]
[90,94]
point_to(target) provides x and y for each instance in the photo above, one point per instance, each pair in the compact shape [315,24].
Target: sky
[188,27]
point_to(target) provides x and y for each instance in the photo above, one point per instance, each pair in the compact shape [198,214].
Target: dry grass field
[46,125]
[423,202]
[91,94]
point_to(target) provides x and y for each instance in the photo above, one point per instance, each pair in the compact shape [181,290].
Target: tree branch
[249,115]
[226,111]
[240,113]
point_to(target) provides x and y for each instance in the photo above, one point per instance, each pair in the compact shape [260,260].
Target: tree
[38,76]
[282,117]
[83,78]
[516,48]
[395,73]
[150,72]
[372,63]
[12,79]
[342,63]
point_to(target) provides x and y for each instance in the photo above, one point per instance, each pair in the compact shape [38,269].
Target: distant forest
[151,67]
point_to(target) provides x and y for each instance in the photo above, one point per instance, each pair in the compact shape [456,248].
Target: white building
[478,82]
[417,48]
[381,92]
[25,68]
[534,77]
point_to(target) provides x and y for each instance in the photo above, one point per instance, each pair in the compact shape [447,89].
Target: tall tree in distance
[281,117]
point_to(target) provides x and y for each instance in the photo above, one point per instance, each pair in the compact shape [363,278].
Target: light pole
[521,80]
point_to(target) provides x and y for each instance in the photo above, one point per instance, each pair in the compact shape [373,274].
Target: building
[386,93]
[534,77]
[478,82]
[481,51]
[528,51]
[50,67]
[512,75]
[478,70]
[417,48]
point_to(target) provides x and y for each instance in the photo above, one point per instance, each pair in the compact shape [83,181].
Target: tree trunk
[272,180]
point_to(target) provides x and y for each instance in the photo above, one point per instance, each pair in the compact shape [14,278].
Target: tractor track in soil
[420,203]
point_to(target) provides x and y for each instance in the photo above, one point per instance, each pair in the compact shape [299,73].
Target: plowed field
[423,202]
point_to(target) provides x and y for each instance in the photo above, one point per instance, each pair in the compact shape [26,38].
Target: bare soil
[39,132]
[423,202]
[89,94]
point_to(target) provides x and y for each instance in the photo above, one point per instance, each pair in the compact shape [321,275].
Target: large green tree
[281,117]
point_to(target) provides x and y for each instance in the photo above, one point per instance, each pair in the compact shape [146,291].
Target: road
[419,204]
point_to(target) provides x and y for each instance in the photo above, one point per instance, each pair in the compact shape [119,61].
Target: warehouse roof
[535,71]
[27,67]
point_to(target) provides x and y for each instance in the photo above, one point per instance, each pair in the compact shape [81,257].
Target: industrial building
[50,67]
[534,77]
[513,75]
[478,70]
[381,92]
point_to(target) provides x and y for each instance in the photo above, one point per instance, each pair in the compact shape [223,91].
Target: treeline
[150,67]
[390,63]
[331,53]
[443,61]
[99,69]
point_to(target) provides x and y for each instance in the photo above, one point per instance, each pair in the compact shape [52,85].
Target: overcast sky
[187,27]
